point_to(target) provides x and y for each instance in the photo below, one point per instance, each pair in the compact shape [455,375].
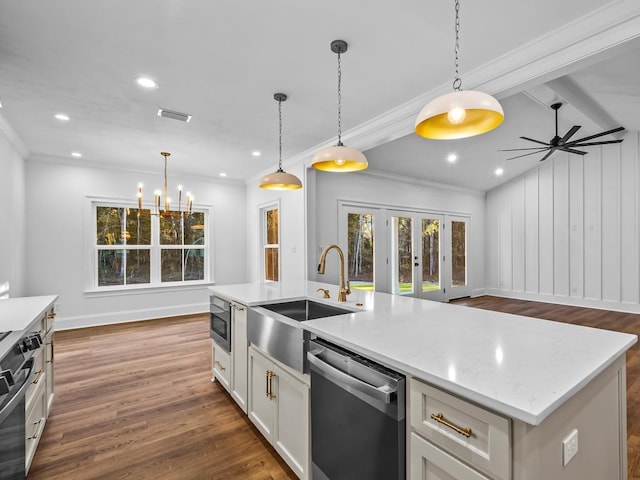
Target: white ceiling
[222,62]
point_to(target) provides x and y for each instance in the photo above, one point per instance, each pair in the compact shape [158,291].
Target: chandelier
[166,200]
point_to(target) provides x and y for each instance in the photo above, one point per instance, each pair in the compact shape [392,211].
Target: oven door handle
[9,406]
[383,394]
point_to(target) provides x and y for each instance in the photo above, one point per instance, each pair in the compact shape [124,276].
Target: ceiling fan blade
[569,134]
[536,141]
[547,155]
[601,134]
[525,155]
[571,150]
[605,142]
[518,149]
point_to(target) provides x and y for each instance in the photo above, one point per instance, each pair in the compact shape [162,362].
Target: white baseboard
[83,321]
[565,300]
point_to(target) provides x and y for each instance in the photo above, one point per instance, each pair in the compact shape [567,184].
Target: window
[134,247]
[271,242]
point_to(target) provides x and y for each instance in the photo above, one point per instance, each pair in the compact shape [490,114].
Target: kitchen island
[547,379]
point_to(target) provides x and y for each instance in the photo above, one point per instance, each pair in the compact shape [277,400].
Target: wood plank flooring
[617,321]
[135,401]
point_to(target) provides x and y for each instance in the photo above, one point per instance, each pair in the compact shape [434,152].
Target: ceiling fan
[563,143]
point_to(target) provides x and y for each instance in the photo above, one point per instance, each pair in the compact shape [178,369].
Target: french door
[428,255]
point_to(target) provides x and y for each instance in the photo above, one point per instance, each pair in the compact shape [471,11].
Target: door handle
[270,376]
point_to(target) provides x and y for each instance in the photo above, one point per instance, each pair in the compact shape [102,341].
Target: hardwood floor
[135,401]
[617,321]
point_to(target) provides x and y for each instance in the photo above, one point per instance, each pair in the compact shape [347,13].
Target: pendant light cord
[280,136]
[339,102]
[457,81]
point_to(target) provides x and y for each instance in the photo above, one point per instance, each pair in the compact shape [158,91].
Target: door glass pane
[360,250]
[430,254]
[194,264]
[171,265]
[458,254]
[110,267]
[138,266]
[272,226]
[271,263]
[403,255]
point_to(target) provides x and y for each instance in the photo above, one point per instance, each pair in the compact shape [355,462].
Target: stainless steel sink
[288,343]
[302,310]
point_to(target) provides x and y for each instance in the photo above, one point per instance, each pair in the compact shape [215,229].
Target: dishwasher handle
[385,393]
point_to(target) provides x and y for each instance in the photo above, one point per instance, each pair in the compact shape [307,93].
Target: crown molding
[14,140]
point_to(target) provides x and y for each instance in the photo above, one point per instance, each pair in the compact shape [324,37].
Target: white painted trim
[423,183]
[14,140]
[565,300]
[109,318]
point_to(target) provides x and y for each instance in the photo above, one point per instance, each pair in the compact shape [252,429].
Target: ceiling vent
[183,117]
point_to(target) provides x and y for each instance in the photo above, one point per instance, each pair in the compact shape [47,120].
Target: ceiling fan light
[280,180]
[482,113]
[339,159]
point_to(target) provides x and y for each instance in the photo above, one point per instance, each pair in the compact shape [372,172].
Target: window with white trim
[136,248]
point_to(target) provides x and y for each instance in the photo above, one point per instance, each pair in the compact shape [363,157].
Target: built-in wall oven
[220,310]
[16,374]
[357,416]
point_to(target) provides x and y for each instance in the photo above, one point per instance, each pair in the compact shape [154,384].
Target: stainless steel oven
[16,374]
[220,310]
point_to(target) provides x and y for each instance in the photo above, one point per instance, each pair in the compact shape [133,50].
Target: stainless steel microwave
[220,331]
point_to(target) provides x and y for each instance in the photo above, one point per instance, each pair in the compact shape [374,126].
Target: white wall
[328,188]
[56,198]
[12,212]
[568,231]
[292,229]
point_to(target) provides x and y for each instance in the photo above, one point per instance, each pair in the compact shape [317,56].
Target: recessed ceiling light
[452,157]
[499,171]
[76,154]
[256,153]
[62,116]
[0,105]
[222,174]
[147,82]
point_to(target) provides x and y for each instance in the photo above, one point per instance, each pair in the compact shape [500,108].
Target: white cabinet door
[428,462]
[261,406]
[291,430]
[239,356]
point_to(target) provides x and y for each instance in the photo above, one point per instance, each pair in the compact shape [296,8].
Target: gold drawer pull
[222,369]
[51,315]
[465,432]
[38,424]
[270,393]
[37,379]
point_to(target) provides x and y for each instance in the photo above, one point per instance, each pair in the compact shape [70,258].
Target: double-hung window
[137,248]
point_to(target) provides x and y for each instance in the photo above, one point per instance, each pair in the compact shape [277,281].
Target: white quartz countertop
[521,367]
[16,314]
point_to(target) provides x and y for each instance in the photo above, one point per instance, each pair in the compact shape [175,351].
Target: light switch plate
[569,447]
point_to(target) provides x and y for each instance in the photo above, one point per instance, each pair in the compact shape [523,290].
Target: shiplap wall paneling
[531,231]
[593,225]
[611,192]
[506,244]
[518,235]
[561,225]
[629,220]
[545,227]
[576,229]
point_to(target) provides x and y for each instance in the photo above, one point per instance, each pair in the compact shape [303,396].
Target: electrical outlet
[569,447]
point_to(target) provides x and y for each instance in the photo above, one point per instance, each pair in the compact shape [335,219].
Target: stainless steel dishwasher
[357,416]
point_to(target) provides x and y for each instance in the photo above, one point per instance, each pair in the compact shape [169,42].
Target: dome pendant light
[339,158]
[461,113]
[280,180]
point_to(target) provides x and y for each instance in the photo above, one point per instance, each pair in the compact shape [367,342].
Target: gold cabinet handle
[270,376]
[39,423]
[266,376]
[465,432]
[37,379]
[220,367]
[51,315]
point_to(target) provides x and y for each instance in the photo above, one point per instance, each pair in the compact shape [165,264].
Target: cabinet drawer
[40,373]
[222,366]
[34,426]
[49,319]
[428,462]
[443,418]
